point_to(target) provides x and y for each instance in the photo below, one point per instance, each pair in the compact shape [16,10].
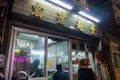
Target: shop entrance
[35,54]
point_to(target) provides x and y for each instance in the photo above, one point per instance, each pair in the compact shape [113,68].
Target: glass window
[58,51]
[29,55]
[80,50]
[76,56]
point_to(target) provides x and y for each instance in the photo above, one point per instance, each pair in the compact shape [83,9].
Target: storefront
[49,38]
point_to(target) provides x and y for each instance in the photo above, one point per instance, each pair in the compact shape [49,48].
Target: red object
[119,47]
[77,60]
[88,61]
[97,58]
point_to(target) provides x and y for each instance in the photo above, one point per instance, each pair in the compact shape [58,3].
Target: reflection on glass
[29,55]
[57,54]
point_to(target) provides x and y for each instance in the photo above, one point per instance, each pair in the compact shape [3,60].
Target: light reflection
[62,4]
[88,16]
[38,52]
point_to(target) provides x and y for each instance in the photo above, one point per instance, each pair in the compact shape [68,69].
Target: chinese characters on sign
[36,11]
[61,17]
[93,30]
[79,25]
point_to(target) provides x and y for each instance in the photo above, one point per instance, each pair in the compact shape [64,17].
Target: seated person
[34,70]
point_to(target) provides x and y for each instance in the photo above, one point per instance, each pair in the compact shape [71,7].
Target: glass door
[58,54]
[80,50]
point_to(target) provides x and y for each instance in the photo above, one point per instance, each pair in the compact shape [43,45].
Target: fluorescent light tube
[88,16]
[62,4]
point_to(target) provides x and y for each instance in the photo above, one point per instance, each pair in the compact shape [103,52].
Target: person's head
[59,67]
[36,62]
[83,62]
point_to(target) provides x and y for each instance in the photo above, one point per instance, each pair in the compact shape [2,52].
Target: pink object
[21,59]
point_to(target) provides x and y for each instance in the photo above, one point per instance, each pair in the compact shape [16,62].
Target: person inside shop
[60,74]
[20,75]
[34,70]
[85,71]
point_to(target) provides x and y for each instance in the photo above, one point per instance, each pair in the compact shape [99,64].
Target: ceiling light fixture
[62,4]
[88,16]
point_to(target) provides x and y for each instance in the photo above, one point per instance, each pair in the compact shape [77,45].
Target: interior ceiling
[35,38]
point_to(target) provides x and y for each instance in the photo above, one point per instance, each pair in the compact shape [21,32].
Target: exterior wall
[115,48]
[112,50]
[116,10]
[3,12]
[3,37]
[50,14]
[115,41]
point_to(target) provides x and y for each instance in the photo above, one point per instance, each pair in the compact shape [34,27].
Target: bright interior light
[88,16]
[62,4]
[37,52]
